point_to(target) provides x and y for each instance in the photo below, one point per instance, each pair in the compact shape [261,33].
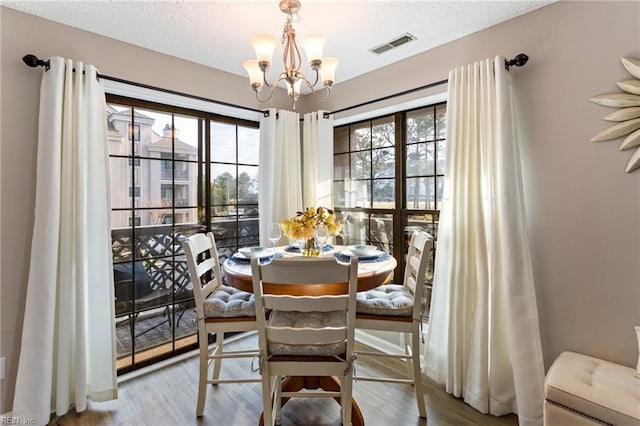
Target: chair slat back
[301,272]
[418,261]
[306,303]
[202,259]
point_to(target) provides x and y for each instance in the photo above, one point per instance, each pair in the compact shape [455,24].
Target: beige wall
[584,211]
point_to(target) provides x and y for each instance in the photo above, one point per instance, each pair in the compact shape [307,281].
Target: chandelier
[264,45]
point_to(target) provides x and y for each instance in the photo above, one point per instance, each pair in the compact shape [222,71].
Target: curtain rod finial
[520,60]
[33,61]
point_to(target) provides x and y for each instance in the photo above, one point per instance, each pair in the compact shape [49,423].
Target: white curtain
[280,174]
[484,339]
[317,164]
[68,335]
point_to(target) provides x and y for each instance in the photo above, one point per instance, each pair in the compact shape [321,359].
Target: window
[388,178]
[135,132]
[185,171]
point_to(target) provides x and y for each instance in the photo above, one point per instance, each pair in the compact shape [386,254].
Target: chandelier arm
[264,78]
[321,98]
[272,89]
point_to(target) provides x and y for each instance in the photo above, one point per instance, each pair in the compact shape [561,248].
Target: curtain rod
[520,60]
[33,61]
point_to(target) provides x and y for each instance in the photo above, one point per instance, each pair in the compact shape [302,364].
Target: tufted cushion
[307,320]
[229,302]
[391,299]
[596,388]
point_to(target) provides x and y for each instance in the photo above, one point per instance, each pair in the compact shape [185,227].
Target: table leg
[332,384]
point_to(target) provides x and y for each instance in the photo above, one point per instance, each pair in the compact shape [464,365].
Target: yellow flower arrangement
[303,224]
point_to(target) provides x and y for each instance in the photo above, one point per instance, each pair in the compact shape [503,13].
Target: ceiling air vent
[399,41]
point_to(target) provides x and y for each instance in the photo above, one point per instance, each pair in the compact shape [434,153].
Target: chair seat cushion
[390,299]
[595,388]
[307,320]
[229,302]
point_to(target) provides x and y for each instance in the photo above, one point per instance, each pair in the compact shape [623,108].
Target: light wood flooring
[168,397]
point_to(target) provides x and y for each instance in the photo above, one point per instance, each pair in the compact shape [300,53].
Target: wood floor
[168,397]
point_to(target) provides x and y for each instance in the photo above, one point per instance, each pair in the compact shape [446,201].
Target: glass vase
[311,247]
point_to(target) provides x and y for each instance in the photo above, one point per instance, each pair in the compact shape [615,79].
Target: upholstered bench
[582,390]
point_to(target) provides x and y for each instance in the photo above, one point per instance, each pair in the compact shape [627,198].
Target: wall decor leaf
[631,141]
[617,130]
[630,86]
[623,114]
[634,162]
[633,66]
[617,100]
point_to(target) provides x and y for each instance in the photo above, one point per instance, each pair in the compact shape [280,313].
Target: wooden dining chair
[398,308]
[219,308]
[305,335]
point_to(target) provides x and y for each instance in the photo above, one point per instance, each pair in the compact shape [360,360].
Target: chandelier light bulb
[328,70]
[313,45]
[264,45]
[255,74]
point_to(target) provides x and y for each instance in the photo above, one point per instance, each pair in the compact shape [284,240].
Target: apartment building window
[192,171]
[388,179]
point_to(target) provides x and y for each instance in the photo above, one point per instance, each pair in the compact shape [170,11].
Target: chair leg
[277,399]
[218,351]
[204,366]
[346,387]
[417,373]
[408,341]
[267,400]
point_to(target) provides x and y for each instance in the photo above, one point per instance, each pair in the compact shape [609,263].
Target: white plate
[362,250]
[249,252]
[375,253]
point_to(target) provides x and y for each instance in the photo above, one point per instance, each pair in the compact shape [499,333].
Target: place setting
[364,253]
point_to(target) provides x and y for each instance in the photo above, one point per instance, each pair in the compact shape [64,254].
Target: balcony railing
[153,290]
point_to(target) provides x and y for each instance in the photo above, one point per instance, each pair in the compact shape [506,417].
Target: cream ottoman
[582,390]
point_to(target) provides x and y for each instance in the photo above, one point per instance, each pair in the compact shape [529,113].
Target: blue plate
[345,258]
[241,260]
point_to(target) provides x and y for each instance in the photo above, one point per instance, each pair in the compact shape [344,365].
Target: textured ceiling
[217,33]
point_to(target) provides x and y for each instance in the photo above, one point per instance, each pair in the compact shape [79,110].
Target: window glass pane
[383,132]
[440,152]
[223,188]
[381,231]
[340,194]
[439,189]
[121,179]
[121,243]
[420,159]
[223,142]
[420,125]
[118,122]
[155,132]
[341,139]
[248,145]
[384,162]
[420,193]
[441,121]
[247,184]
[185,216]
[361,165]
[383,194]
[360,137]
[186,134]
[361,193]
[341,166]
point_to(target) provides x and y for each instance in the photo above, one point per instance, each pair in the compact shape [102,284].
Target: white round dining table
[371,274]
